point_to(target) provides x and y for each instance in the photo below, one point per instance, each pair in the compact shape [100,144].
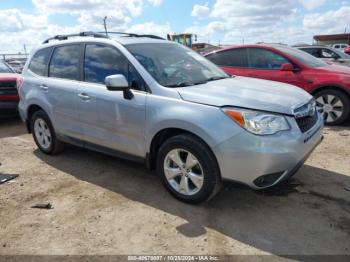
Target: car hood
[335,68]
[247,93]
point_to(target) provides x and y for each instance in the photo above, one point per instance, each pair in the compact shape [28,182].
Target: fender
[329,85]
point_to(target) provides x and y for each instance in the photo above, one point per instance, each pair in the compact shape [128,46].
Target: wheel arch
[161,136]
[30,112]
[332,87]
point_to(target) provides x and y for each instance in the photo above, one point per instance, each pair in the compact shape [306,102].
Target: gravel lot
[104,205]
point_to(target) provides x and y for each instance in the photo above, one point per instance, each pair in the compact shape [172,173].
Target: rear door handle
[84,96]
[252,75]
[44,87]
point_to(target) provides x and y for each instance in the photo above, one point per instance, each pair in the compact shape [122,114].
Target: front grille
[307,122]
[8,85]
[8,88]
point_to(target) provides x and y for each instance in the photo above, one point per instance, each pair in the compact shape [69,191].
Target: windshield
[4,68]
[340,53]
[173,65]
[301,56]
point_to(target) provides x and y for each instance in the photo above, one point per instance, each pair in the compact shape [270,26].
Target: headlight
[259,123]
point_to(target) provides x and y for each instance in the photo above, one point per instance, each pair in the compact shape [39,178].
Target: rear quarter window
[40,60]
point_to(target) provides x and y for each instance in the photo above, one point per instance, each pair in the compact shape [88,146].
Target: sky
[29,22]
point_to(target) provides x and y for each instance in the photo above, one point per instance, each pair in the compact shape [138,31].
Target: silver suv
[155,101]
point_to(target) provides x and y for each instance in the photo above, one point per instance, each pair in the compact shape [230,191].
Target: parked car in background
[327,54]
[329,84]
[163,104]
[347,50]
[340,47]
[8,91]
[16,65]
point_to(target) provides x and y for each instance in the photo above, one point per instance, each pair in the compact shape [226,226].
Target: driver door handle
[44,87]
[84,96]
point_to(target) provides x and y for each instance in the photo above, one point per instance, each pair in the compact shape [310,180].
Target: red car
[329,83]
[347,50]
[9,98]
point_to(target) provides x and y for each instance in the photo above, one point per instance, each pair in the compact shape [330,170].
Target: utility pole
[105,25]
[25,50]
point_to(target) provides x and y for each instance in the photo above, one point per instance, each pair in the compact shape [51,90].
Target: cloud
[19,27]
[241,13]
[331,21]
[312,4]
[270,21]
[208,31]
[13,20]
[200,11]
[156,2]
[151,28]
[90,13]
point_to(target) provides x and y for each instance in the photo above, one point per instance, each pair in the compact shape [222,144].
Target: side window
[38,64]
[65,62]
[265,59]
[135,80]
[326,53]
[235,58]
[101,61]
[337,46]
[317,52]
[308,50]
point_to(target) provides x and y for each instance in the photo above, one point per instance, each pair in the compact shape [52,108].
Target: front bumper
[8,109]
[264,161]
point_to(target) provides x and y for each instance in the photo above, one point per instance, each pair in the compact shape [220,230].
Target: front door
[107,118]
[266,64]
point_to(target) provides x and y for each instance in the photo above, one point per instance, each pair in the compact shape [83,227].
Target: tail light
[19,82]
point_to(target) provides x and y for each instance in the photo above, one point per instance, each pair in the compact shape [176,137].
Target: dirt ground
[104,205]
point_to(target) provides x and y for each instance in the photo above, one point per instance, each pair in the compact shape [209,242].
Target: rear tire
[188,169]
[44,134]
[334,105]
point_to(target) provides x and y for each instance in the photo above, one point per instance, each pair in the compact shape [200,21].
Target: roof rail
[132,35]
[65,37]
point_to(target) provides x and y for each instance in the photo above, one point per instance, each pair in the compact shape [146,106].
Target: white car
[340,47]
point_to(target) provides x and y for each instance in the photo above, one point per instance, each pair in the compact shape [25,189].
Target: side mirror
[118,83]
[287,67]
[335,56]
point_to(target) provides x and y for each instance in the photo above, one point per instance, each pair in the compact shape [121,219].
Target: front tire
[334,105]
[188,169]
[44,134]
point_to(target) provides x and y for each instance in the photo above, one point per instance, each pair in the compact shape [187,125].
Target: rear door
[61,89]
[233,61]
[108,119]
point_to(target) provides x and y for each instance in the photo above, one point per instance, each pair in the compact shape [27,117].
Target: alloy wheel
[330,106]
[183,172]
[42,133]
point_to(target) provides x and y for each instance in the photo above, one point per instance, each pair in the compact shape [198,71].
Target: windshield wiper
[182,84]
[217,78]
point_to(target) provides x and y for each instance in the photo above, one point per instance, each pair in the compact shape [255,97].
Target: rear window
[235,58]
[65,62]
[38,64]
